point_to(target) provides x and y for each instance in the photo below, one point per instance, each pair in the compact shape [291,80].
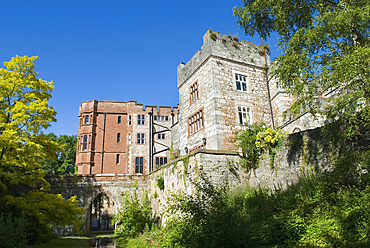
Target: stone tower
[222,87]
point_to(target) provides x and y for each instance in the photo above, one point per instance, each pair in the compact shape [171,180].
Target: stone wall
[87,187]
[300,152]
[181,174]
[220,97]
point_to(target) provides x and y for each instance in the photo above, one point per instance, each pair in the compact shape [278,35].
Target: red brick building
[113,137]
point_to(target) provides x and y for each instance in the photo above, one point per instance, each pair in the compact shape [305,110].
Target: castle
[222,87]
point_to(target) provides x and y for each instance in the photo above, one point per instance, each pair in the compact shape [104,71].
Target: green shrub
[246,140]
[13,231]
[132,218]
[160,183]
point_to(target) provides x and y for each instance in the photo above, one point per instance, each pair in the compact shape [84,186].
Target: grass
[136,242]
[65,242]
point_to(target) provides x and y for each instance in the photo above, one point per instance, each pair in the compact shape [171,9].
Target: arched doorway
[101,213]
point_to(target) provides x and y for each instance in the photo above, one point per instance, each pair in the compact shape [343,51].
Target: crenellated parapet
[224,47]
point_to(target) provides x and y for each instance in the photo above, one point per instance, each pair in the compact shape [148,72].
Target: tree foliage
[63,160]
[24,114]
[325,50]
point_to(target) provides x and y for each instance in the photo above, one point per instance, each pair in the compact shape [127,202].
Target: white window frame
[244,114]
[245,81]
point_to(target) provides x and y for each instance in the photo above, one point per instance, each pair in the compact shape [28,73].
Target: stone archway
[102,206]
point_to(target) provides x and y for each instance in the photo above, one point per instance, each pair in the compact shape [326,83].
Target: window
[129,120]
[161,118]
[117,159]
[202,146]
[141,119]
[159,161]
[194,93]
[161,136]
[119,119]
[241,82]
[118,137]
[139,162]
[129,139]
[86,119]
[85,143]
[140,138]
[196,122]
[244,114]
[89,142]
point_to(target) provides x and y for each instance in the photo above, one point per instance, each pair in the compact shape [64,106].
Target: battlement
[223,47]
[107,106]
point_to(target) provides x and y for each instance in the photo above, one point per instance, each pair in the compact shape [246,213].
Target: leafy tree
[24,114]
[63,160]
[325,48]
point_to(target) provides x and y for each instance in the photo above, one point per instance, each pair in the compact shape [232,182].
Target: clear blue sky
[111,50]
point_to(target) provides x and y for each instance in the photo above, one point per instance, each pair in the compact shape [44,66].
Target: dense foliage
[316,212]
[325,52]
[133,217]
[24,114]
[63,160]
[246,140]
[258,139]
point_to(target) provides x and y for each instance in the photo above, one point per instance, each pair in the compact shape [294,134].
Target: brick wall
[111,130]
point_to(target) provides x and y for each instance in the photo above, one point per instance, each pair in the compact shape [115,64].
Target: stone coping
[204,151]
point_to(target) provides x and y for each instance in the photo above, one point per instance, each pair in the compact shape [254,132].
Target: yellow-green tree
[24,114]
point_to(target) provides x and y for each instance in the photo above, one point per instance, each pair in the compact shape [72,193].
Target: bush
[132,218]
[160,183]
[13,231]
[315,212]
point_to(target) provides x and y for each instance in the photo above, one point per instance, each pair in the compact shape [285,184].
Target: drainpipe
[268,87]
[102,152]
[150,141]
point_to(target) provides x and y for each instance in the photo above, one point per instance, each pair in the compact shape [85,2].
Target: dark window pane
[244,87]
[238,87]
[165,160]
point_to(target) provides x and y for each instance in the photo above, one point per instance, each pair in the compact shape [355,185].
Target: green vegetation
[315,212]
[325,49]
[160,183]
[24,114]
[256,140]
[133,217]
[61,162]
